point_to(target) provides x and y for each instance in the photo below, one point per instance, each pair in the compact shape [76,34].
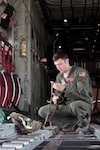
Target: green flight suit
[77,98]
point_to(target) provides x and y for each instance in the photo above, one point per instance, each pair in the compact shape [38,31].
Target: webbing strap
[48,113]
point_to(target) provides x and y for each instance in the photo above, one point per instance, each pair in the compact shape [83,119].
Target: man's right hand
[54,98]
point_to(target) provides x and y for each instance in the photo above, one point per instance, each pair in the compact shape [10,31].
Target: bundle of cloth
[24,124]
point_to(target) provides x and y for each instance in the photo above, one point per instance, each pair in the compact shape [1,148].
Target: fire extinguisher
[23,45]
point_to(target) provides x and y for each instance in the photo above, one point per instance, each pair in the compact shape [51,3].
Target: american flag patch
[82,74]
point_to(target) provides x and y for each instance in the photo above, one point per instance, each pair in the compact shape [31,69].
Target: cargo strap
[48,113]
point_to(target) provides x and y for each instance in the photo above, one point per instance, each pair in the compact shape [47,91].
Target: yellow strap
[24,123]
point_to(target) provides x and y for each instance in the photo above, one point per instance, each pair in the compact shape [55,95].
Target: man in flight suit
[73,87]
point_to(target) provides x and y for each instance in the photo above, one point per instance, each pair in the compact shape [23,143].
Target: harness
[48,113]
[55,110]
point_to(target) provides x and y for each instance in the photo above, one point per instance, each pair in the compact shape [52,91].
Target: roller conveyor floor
[46,140]
[73,141]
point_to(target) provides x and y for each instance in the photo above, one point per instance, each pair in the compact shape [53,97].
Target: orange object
[23,49]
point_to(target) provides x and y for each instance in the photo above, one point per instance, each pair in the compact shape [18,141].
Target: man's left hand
[58,86]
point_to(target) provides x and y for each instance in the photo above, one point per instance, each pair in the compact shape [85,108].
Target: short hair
[60,54]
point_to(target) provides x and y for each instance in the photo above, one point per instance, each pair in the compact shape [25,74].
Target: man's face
[5,1]
[62,65]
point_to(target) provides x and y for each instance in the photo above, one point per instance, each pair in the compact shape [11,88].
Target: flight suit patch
[71,79]
[63,82]
[82,74]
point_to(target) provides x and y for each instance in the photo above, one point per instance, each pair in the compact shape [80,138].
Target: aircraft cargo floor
[73,141]
[46,140]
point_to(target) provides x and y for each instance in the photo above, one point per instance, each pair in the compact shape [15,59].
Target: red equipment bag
[10,90]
